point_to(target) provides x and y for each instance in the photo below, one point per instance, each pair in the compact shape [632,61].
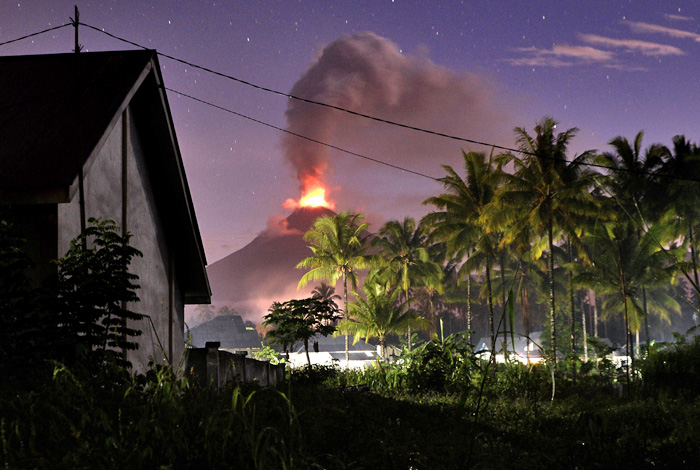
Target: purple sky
[473,69]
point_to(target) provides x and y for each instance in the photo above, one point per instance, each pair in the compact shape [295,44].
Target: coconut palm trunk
[469,308]
[345,315]
[595,312]
[585,330]
[490,305]
[503,300]
[408,330]
[550,274]
[525,305]
[573,312]
[306,350]
[646,317]
[623,284]
[382,348]
[693,259]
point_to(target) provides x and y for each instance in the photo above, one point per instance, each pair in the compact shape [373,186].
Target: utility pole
[75,23]
[81,188]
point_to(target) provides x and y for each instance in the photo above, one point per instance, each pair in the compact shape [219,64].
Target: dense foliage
[94,287]
[536,235]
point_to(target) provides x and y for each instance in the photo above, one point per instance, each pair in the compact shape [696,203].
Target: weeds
[329,418]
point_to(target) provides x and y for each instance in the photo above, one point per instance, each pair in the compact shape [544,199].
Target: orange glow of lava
[314,197]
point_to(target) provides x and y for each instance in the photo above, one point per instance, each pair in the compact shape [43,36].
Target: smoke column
[369,74]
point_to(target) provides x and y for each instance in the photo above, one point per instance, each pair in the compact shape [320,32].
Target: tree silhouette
[299,320]
[458,221]
[406,260]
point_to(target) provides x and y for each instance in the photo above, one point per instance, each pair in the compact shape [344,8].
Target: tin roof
[229,330]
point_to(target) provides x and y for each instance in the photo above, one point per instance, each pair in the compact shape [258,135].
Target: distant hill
[263,271]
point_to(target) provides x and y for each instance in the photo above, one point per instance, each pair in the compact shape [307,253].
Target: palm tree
[325,291]
[429,297]
[632,186]
[338,243]
[537,202]
[590,211]
[407,262]
[681,200]
[457,222]
[378,315]
[203,313]
[627,265]
[456,296]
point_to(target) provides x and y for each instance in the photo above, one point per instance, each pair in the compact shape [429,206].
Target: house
[229,331]
[91,135]
[521,348]
[330,350]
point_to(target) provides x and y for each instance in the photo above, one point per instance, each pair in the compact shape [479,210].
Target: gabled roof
[54,109]
[57,110]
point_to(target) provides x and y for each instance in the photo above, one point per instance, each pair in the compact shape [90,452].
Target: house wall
[127,198]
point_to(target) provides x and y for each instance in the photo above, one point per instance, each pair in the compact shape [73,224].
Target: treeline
[539,237]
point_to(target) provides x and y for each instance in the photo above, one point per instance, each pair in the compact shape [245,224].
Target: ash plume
[369,74]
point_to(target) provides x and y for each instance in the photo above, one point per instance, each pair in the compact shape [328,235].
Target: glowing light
[314,197]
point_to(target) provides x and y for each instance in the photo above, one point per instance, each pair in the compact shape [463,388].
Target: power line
[221,107]
[306,100]
[35,34]
[354,113]
[286,131]
[387,121]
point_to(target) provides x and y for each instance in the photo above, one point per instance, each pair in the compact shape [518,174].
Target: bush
[157,420]
[673,371]
[516,380]
[444,366]
[314,375]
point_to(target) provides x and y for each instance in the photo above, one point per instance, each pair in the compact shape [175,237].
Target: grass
[596,429]
[385,418]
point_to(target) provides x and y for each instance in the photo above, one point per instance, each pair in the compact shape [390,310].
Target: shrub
[444,366]
[314,375]
[93,287]
[516,380]
[674,371]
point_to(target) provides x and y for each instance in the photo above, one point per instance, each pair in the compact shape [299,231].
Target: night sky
[472,69]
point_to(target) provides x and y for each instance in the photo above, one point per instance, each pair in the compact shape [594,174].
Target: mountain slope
[263,271]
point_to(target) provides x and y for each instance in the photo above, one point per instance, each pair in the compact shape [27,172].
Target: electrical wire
[354,113]
[35,34]
[286,131]
[307,100]
[389,122]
